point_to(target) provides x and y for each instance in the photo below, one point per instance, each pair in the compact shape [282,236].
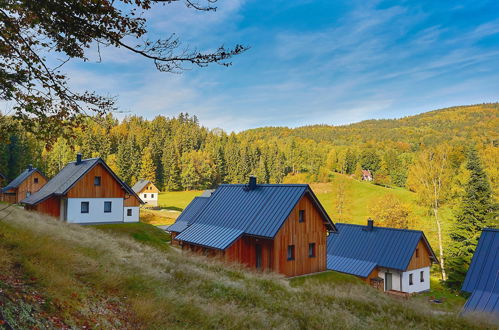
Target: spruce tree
[147,168]
[476,211]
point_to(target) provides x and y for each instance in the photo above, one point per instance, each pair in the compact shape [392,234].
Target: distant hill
[456,123]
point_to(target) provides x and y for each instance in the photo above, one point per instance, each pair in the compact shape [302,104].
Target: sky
[310,62]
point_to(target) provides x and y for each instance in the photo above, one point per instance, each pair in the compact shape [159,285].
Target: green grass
[100,277]
[141,232]
[449,300]
[177,200]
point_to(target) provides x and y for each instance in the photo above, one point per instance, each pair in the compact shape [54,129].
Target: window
[410,279]
[301,216]
[145,195]
[107,207]
[129,212]
[421,276]
[152,195]
[35,180]
[97,181]
[417,253]
[84,207]
[311,250]
[291,252]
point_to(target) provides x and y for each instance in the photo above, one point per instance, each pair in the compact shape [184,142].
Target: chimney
[370,224]
[30,167]
[252,183]
[78,158]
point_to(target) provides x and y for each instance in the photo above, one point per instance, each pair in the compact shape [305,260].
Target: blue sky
[311,62]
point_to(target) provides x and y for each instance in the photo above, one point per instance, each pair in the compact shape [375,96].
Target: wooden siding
[244,251]
[10,196]
[423,260]
[85,187]
[373,274]
[131,200]
[300,234]
[149,188]
[50,206]
[29,186]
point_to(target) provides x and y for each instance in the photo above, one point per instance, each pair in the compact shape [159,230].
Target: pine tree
[147,168]
[476,212]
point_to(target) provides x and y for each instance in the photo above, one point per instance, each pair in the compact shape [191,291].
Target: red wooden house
[276,227]
[28,182]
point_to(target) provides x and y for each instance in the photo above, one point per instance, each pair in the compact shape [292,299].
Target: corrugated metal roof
[20,178]
[259,212]
[139,185]
[350,266]
[210,236]
[386,247]
[482,279]
[67,177]
[188,214]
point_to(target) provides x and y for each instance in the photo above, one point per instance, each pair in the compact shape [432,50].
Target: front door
[258,252]
[388,281]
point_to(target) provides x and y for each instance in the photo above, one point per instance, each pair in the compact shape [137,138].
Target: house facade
[86,191]
[482,278]
[147,191]
[273,227]
[27,183]
[387,258]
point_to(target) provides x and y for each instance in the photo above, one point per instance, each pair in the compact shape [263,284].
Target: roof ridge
[379,227]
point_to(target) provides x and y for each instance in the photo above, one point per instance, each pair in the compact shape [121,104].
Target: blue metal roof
[386,247]
[259,212]
[482,279]
[21,178]
[210,236]
[350,266]
[188,215]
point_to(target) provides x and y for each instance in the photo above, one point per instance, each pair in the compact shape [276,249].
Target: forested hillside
[179,153]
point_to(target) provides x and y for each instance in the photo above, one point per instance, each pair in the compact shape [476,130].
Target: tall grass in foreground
[88,276]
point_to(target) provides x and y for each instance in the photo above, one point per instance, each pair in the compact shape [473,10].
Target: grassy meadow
[58,275]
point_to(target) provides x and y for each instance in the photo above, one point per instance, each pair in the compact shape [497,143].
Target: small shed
[147,191]
[25,184]
[482,279]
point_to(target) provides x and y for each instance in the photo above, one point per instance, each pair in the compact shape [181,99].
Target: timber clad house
[147,191]
[26,184]
[86,191]
[387,258]
[275,227]
[482,279]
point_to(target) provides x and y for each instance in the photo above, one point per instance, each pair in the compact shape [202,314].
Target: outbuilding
[25,184]
[86,191]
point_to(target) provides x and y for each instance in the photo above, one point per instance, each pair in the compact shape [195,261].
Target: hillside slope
[54,275]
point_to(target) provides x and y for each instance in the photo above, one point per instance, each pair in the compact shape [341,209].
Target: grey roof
[257,212]
[482,279]
[139,185]
[67,177]
[386,247]
[188,215]
[21,178]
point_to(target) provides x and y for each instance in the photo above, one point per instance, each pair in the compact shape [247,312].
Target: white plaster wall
[135,214]
[417,285]
[95,210]
[395,278]
[150,200]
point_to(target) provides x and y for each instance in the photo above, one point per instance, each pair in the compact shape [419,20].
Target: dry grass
[89,276]
[158,217]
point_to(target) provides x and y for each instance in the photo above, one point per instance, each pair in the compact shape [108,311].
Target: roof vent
[30,167]
[78,158]
[370,224]
[252,183]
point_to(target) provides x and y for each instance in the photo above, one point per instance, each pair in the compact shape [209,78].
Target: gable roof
[141,184]
[353,249]
[188,215]
[64,180]
[21,178]
[482,279]
[258,212]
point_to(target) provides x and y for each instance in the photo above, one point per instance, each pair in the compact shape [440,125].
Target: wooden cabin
[147,191]
[273,227]
[482,278]
[389,259]
[86,191]
[27,183]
